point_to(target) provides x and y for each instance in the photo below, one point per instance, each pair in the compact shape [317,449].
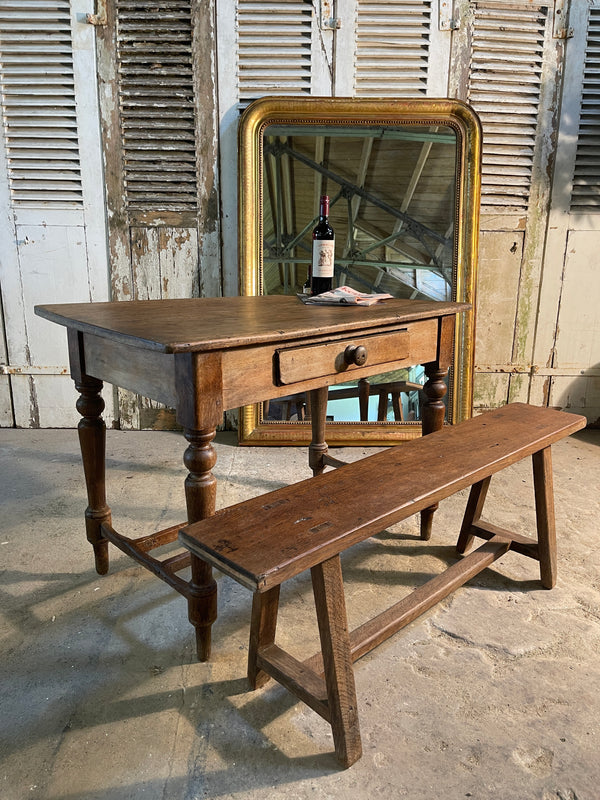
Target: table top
[201,324]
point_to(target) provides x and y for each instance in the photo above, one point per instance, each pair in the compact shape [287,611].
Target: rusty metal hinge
[446,20]
[328,21]
[561,28]
[99,18]
[30,369]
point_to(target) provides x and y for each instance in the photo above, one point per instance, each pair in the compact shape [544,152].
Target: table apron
[250,374]
[147,372]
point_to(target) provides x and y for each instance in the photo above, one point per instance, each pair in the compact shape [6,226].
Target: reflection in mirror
[392,207]
[403,181]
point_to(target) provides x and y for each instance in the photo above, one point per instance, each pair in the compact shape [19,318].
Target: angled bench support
[544,550]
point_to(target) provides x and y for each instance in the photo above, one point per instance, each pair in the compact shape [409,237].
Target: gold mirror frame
[347,113]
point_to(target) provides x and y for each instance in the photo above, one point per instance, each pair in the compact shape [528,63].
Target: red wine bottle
[321,279]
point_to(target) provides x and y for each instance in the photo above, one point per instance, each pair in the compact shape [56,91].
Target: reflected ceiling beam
[319,155]
[412,187]
[371,286]
[361,176]
[288,210]
[419,231]
[417,258]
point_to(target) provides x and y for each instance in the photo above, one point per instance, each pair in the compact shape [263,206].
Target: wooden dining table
[204,356]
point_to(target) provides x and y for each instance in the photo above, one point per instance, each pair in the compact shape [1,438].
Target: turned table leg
[200,494]
[433,413]
[318,446]
[92,441]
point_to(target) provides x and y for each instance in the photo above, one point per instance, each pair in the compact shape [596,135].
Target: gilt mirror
[403,181]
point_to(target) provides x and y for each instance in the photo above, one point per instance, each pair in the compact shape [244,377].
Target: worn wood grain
[186,325]
[328,590]
[327,514]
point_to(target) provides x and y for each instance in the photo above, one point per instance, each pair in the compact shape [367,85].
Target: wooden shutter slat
[392,48]
[504,88]
[585,196]
[274,47]
[156,104]
[38,103]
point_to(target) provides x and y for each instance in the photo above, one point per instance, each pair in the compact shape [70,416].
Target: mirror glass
[398,188]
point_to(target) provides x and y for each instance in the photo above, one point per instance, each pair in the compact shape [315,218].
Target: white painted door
[52,228]
[568,341]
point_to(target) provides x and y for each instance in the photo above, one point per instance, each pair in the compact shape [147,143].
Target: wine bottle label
[323,257]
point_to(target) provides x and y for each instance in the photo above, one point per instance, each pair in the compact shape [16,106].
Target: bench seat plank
[299,526]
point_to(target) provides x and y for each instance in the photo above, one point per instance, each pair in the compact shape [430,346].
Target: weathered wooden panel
[52,234]
[500,254]
[52,268]
[40,123]
[6,412]
[580,395]
[274,47]
[507,64]
[45,401]
[578,334]
[585,196]
[490,390]
[539,390]
[392,48]
[164,263]
[505,87]
[518,387]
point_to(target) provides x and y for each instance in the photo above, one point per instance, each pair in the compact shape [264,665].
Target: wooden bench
[266,540]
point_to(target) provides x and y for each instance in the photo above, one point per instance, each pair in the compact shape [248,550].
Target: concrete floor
[495,693]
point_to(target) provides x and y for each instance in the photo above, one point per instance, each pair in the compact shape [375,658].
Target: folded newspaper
[345,296]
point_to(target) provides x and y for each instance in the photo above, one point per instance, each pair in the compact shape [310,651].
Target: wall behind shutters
[52,232]
[158,108]
[568,340]
[507,64]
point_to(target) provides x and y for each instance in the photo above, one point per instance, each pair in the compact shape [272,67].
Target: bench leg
[545,549]
[472,514]
[328,590]
[544,510]
[262,632]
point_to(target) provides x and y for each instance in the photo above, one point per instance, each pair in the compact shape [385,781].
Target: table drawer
[342,356]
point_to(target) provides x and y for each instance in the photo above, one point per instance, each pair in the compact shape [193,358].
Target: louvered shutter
[156,103]
[585,197]
[392,48]
[52,225]
[509,71]
[38,103]
[274,48]
[567,342]
[505,83]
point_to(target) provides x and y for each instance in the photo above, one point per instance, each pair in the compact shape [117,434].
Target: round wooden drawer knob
[355,354]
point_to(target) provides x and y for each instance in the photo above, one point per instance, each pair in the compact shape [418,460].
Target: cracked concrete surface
[492,694]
